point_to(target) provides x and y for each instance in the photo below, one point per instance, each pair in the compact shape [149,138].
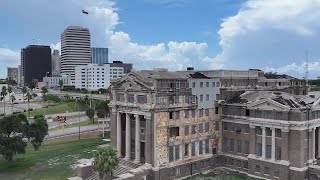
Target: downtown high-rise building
[21,75]
[75,50]
[37,63]
[55,62]
[99,56]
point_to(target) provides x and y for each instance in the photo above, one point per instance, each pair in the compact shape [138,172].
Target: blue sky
[271,35]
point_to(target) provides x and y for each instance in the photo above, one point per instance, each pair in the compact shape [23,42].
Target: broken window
[142,99]
[216,110]
[268,132]
[170,153]
[257,168]
[170,115]
[245,165]
[174,131]
[177,152]
[171,100]
[258,131]
[278,133]
[247,112]
[225,125]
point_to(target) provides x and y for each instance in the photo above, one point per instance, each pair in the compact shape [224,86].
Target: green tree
[9,90]
[86,99]
[61,84]
[33,84]
[44,91]
[90,114]
[12,98]
[105,162]
[102,109]
[4,94]
[14,129]
[24,91]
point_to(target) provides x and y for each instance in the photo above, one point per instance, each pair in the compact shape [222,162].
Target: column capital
[273,128]
[263,127]
[136,115]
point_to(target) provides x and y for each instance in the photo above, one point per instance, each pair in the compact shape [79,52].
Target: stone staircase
[124,167]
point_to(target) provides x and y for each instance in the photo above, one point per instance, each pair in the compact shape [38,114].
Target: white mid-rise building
[53,82]
[94,77]
[75,50]
[55,62]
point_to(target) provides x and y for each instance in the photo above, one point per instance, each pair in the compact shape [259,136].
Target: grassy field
[54,161]
[58,108]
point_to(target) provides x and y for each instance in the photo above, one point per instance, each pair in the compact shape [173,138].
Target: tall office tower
[55,62]
[22,67]
[75,50]
[37,62]
[99,56]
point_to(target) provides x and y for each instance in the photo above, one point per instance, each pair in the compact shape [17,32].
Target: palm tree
[24,91]
[105,162]
[86,99]
[3,94]
[29,96]
[9,90]
[12,98]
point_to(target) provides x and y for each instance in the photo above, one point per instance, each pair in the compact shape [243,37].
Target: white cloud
[271,34]
[8,58]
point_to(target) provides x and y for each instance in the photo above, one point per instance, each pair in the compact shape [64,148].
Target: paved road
[66,114]
[69,121]
[71,131]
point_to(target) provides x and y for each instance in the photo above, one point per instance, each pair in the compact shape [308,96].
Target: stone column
[318,142]
[149,137]
[119,134]
[273,144]
[314,143]
[137,139]
[252,140]
[263,142]
[128,139]
[125,94]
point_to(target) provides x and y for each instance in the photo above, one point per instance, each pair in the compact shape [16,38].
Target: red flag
[84,12]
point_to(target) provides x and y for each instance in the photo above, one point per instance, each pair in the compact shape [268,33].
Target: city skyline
[224,34]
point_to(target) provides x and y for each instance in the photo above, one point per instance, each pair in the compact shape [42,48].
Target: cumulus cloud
[9,58]
[271,34]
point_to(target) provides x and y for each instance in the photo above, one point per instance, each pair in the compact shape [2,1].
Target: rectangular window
[186,114]
[170,153]
[193,85]
[201,98]
[268,114]
[193,129]
[207,84]
[201,84]
[193,112]
[278,133]
[200,112]
[186,150]
[206,127]
[206,111]
[177,152]
[200,147]
[246,147]
[176,99]
[207,97]
[170,115]
[177,115]
[239,143]
[174,131]
[258,131]
[278,153]
[257,169]
[207,146]
[268,153]
[266,170]
[213,84]
[258,114]
[225,126]
[216,110]
[268,132]
[201,128]
[225,144]
[186,130]
[218,84]
[231,145]
[259,149]
[245,165]
[276,173]
[193,149]
[279,115]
